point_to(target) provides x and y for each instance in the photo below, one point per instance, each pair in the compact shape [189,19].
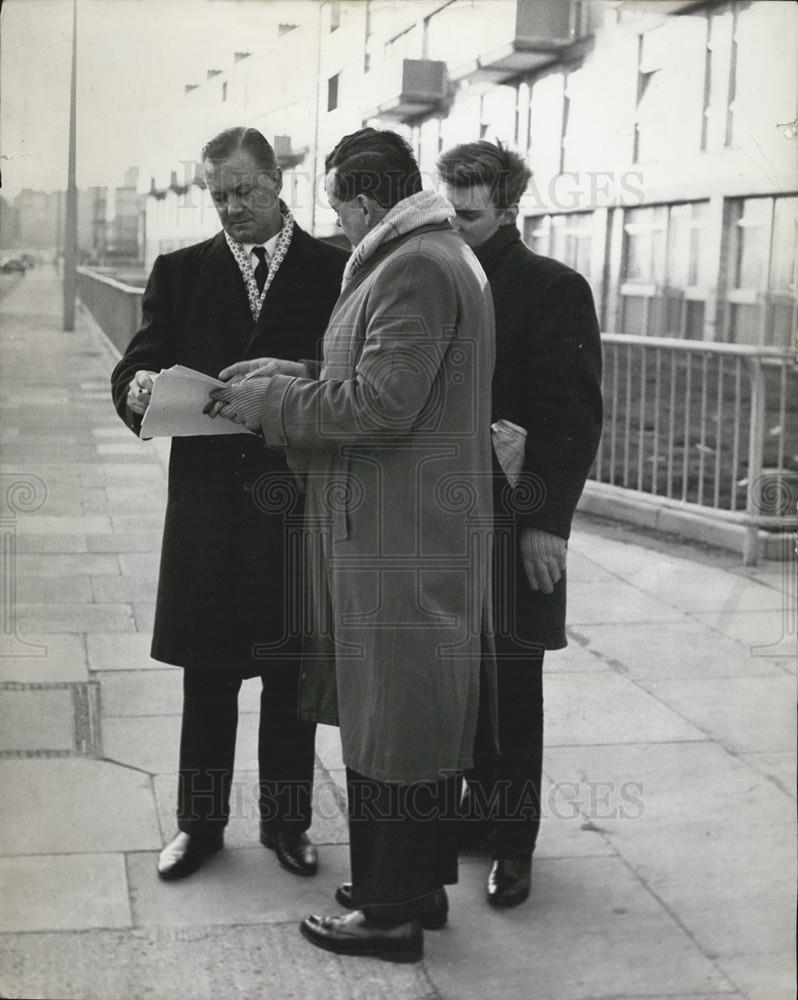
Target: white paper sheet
[175,410]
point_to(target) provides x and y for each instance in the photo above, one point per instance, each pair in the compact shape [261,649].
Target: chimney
[211,73]
[191,86]
[238,56]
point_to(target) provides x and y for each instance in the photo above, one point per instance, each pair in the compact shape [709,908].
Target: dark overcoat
[229,584]
[547,380]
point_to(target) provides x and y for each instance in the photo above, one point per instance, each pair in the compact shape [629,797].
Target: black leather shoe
[432,916]
[186,853]
[509,882]
[354,934]
[294,850]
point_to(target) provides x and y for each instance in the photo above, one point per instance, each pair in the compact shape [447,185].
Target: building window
[568,238]
[332,93]
[652,96]
[760,255]
[335,15]
[665,274]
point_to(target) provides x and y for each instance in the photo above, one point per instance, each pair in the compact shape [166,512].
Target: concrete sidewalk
[666,865]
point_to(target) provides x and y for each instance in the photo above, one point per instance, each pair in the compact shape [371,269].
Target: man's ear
[278,179]
[508,215]
[371,209]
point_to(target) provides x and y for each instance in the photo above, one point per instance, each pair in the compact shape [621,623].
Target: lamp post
[71,221]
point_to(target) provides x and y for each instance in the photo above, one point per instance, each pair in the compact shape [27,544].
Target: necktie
[262,269]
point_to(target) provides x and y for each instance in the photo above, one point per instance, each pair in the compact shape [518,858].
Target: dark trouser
[207,751]
[503,791]
[402,843]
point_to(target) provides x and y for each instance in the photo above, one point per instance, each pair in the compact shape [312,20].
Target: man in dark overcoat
[547,408]
[229,589]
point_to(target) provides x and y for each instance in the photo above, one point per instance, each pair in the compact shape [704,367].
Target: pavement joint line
[710,956]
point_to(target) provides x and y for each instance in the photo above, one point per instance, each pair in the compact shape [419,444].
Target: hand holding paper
[176,407]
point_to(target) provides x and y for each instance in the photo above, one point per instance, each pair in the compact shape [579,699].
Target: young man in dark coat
[228,592]
[546,384]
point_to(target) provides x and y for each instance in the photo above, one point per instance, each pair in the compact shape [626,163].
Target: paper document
[509,443]
[175,410]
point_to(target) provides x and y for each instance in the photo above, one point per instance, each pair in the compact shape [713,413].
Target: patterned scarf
[245,266]
[411,213]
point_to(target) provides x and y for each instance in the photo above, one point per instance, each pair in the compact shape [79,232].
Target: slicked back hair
[250,140]
[474,163]
[375,162]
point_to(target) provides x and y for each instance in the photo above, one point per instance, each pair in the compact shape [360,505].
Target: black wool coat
[547,380]
[229,590]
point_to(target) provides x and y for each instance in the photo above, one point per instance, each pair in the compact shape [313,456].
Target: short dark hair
[375,162]
[223,145]
[483,162]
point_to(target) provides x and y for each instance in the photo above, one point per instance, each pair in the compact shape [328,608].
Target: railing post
[756,441]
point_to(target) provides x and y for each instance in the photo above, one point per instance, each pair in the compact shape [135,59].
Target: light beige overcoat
[395,440]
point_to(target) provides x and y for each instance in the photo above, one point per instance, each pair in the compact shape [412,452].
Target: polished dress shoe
[354,934]
[509,882]
[432,914]
[294,850]
[186,853]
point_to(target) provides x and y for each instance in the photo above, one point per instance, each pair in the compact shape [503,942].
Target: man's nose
[233,206]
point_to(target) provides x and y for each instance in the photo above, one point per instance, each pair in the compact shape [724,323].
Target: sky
[134,57]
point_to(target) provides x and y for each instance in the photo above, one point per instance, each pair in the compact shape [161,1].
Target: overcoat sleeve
[563,401]
[152,348]
[410,321]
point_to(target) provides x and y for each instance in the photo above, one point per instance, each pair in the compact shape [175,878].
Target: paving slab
[144,615]
[763,977]
[257,962]
[122,589]
[574,658]
[693,587]
[53,658]
[590,709]
[59,565]
[664,785]
[145,564]
[590,929]
[124,541]
[741,713]
[47,589]
[779,767]
[75,806]
[44,524]
[120,651]
[714,839]
[36,720]
[596,603]
[762,633]
[62,893]
[242,885]
[75,618]
[685,648]
[138,522]
[63,543]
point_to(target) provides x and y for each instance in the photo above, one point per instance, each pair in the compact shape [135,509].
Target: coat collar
[492,250]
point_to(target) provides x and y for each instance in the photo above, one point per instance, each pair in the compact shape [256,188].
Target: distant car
[12,266]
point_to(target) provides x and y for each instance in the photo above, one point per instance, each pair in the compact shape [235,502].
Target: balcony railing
[709,428]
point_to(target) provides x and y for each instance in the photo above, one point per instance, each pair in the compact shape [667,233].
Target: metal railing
[711,428]
[116,307]
[702,427]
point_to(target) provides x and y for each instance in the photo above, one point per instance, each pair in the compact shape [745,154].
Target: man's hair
[250,140]
[483,162]
[374,162]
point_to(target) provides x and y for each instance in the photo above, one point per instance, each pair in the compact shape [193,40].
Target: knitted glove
[543,555]
[243,403]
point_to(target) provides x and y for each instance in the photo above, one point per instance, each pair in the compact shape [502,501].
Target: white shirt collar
[270,245]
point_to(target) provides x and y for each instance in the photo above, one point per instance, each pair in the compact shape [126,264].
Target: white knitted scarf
[422,209]
[245,264]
